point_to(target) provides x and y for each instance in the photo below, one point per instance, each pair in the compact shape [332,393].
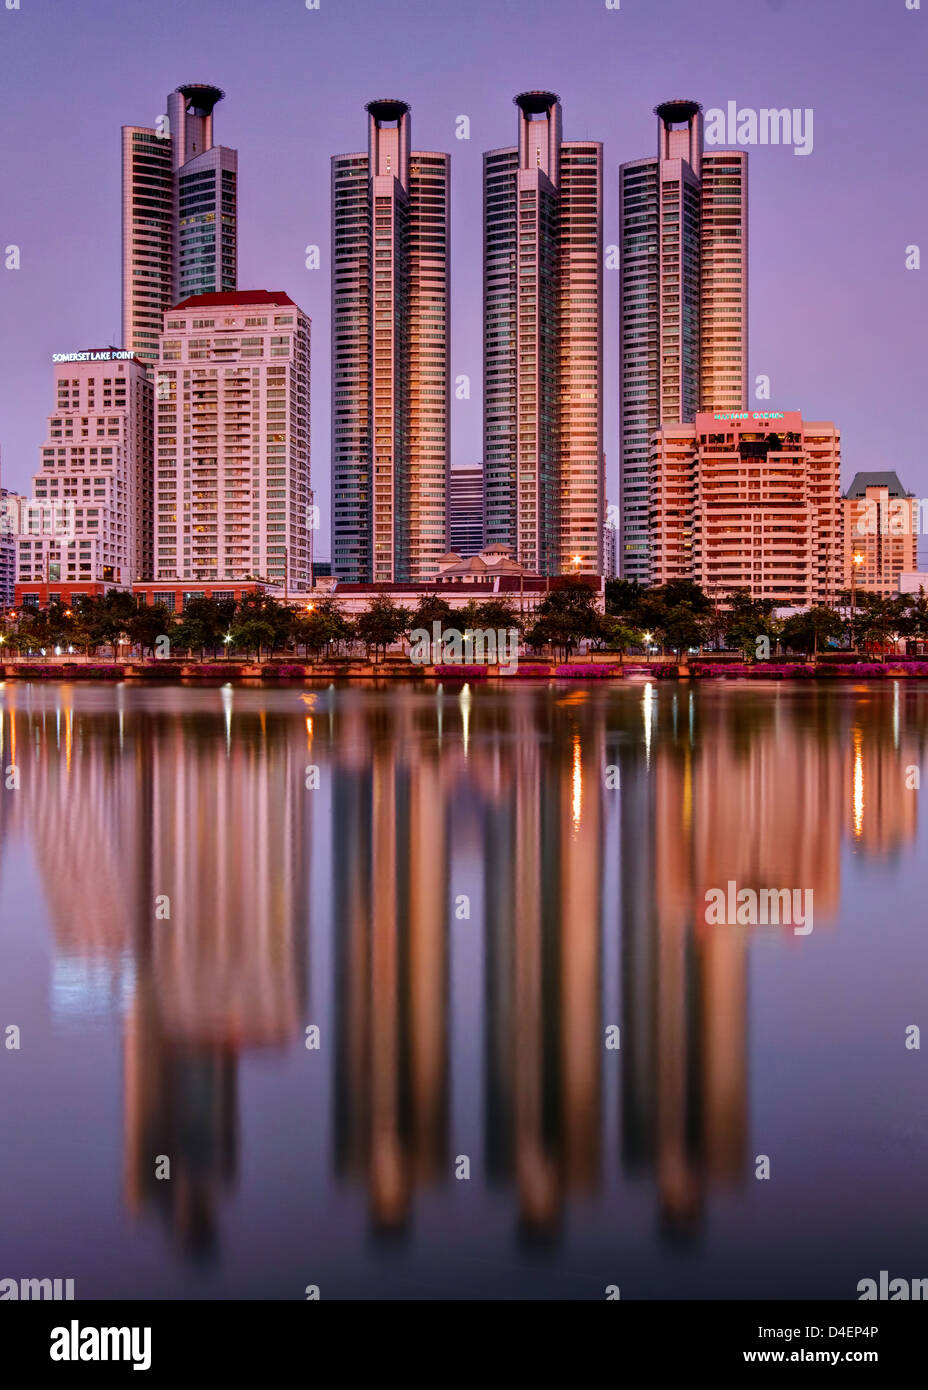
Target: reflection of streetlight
[857,561]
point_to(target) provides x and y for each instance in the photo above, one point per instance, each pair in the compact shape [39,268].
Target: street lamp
[856,561]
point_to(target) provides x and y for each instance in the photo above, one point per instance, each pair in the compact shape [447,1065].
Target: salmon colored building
[748,500]
[880,533]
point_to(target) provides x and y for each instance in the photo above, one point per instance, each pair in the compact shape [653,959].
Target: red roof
[210,301]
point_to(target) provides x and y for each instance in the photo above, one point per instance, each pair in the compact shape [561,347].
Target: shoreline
[278,672]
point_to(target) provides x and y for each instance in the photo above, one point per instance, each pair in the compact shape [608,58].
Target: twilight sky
[836,321]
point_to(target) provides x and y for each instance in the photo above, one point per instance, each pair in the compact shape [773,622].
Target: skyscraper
[390,354]
[179,214]
[683,227]
[465,510]
[8,528]
[542,277]
[89,519]
[232,440]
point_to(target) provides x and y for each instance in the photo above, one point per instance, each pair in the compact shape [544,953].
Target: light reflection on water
[463,904]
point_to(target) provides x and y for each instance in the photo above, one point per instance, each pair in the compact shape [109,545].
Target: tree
[106,618]
[153,620]
[913,619]
[685,591]
[430,609]
[624,597]
[617,636]
[278,616]
[681,628]
[876,620]
[382,624]
[565,616]
[204,624]
[497,614]
[466,617]
[811,630]
[747,619]
[317,626]
[251,633]
[679,612]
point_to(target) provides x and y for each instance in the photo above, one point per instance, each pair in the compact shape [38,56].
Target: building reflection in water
[128,809]
[199,796]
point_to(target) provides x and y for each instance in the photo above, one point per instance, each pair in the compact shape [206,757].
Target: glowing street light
[858,560]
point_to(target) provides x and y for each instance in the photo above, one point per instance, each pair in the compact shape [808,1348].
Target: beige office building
[89,517]
[232,441]
[748,499]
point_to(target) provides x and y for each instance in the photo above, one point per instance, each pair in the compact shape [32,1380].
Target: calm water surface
[462,907]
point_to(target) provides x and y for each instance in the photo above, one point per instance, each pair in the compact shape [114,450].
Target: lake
[535,1068]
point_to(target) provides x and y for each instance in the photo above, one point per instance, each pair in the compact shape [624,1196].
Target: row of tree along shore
[674,624]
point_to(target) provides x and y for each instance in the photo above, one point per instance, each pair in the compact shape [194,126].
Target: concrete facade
[748,500]
[684,300]
[232,440]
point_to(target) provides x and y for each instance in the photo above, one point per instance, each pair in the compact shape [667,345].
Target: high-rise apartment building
[89,517]
[179,214]
[881,526]
[748,500]
[232,440]
[465,510]
[390,354]
[684,308]
[610,549]
[9,525]
[543,431]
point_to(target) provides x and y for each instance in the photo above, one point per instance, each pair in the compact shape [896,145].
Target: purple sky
[836,320]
